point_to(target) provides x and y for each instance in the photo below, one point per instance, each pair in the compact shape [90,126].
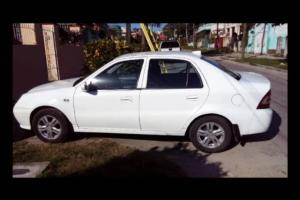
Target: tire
[59,129]
[216,130]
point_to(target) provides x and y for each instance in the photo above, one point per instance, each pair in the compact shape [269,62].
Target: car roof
[161,53]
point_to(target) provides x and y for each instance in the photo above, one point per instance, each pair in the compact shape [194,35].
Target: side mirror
[88,87]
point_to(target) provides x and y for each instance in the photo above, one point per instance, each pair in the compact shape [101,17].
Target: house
[268,38]
[45,52]
[225,31]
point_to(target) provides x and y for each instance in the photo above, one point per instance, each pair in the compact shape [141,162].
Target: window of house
[122,75]
[24,34]
[169,73]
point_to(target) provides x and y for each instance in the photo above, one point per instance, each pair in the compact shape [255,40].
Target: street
[263,155]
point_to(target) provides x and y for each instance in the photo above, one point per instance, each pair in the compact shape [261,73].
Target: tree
[128,33]
[195,28]
[262,39]
[186,33]
[246,28]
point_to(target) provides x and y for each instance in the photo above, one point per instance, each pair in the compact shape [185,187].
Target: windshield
[170,44]
[235,75]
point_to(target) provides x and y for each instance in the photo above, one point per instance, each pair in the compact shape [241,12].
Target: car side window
[122,75]
[171,73]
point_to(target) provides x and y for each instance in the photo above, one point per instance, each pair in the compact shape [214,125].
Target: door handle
[192,97]
[126,98]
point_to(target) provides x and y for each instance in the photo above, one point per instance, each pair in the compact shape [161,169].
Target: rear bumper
[260,121]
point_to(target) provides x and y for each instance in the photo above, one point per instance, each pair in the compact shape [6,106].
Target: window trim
[145,77]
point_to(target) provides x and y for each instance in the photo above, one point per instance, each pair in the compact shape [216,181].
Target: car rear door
[173,91]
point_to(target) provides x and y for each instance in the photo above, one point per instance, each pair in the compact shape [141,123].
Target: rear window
[170,44]
[235,75]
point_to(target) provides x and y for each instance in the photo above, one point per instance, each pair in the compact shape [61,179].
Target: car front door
[173,92]
[114,104]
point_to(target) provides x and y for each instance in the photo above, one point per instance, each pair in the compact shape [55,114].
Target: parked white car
[152,93]
[169,45]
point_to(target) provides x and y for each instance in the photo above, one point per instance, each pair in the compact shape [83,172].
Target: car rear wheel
[51,126]
[211,134]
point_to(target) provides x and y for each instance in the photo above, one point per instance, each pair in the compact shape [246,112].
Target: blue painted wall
[270,40]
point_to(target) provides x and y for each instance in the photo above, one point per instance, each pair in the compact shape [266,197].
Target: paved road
[262,155]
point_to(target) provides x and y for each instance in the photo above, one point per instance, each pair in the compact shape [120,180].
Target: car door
[114,105]
[173,92]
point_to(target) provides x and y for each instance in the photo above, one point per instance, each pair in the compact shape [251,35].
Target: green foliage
[99,52]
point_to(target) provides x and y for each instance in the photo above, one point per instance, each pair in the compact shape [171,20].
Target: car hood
[55,85]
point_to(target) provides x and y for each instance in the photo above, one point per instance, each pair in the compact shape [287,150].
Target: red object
[219,43]
[265,102]
[162,37]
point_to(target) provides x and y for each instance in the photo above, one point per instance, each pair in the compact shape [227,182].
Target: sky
[137,25]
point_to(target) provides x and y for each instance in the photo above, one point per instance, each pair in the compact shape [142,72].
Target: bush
[100,52]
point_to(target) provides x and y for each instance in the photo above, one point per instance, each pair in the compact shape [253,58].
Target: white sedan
[152,93]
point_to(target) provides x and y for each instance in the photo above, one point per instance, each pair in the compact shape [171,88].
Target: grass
[102,158]
[277,63]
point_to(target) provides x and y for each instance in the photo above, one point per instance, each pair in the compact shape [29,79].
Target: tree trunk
[217,35]
[244,40]
[262,40]
[128,33]
[186,33]
[143,42]
[194,36]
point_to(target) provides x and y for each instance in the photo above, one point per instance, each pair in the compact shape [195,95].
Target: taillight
[265,102]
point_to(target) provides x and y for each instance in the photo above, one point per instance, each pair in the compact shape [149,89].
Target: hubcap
[210,135]
[49,127]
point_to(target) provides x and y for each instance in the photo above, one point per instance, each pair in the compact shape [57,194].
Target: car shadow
[268,135]
[176,161]
[80,135]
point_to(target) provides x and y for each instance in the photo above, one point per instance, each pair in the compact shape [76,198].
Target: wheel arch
[45,107]
[234,127]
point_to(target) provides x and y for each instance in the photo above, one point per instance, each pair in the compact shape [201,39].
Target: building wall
[272,33]
[70,59]
[29,62]
[223,32]
[29,65]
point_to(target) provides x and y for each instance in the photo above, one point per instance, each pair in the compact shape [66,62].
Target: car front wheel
[50,125]
[211,134]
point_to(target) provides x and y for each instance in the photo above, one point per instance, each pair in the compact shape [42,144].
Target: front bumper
[22,116]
